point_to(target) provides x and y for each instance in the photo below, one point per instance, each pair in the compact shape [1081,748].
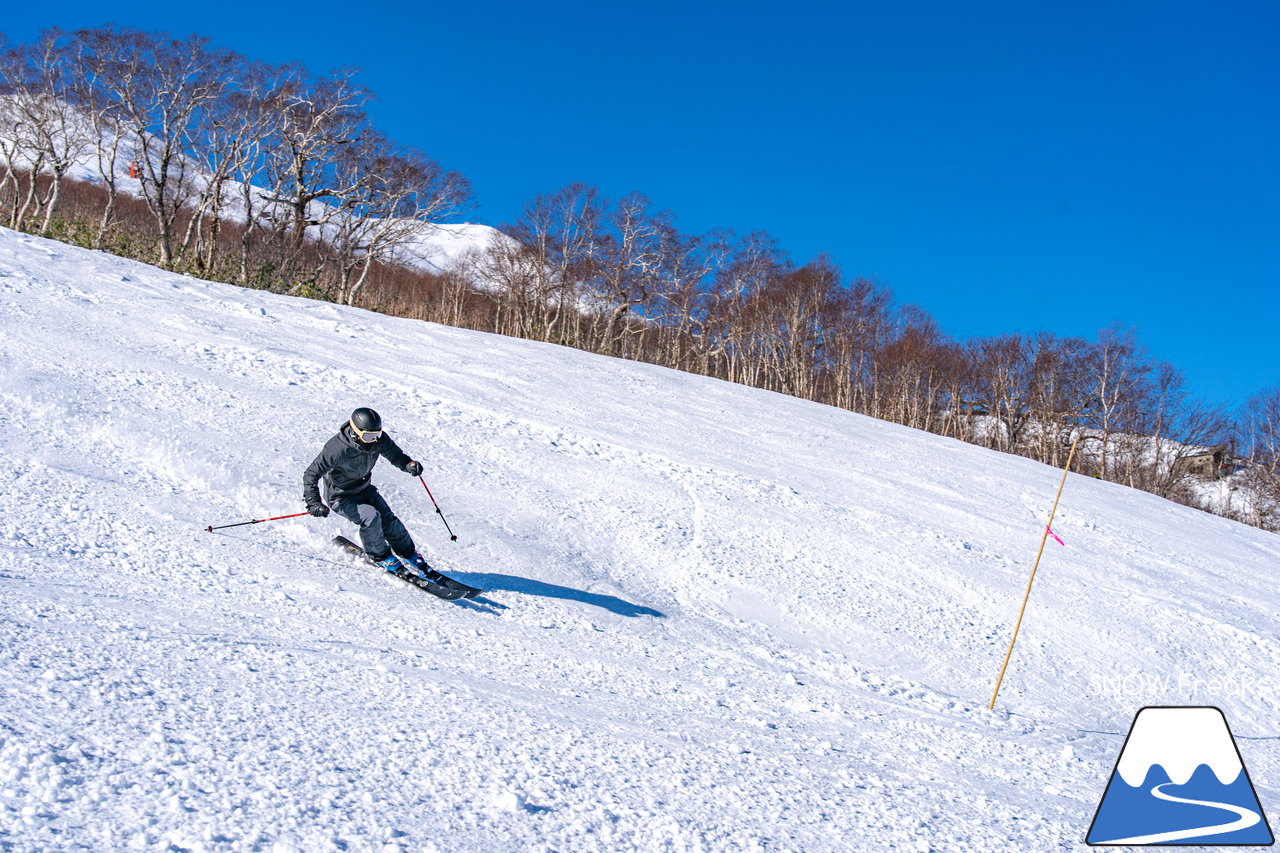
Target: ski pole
[452,537]
[211,528]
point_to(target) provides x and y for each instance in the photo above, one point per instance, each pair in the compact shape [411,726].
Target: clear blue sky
[1006,166]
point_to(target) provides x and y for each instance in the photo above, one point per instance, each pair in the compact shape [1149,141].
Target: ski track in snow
[717,618]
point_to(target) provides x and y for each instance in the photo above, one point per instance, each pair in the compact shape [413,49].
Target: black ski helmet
[366,424]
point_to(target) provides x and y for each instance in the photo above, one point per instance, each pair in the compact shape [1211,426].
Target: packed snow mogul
[346,467]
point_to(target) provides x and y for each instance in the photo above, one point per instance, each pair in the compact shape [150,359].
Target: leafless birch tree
[158,86]
[395,195]
[312,124]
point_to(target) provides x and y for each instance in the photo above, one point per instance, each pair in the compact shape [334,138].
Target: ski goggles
[366,436]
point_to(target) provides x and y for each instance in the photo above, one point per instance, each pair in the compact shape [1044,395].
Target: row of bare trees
[274,175]
[619,278]
[266,176]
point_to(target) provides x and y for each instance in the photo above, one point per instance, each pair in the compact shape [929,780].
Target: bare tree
[628,266]
[740,267]
[863,334]
[159,85]
[18,147]
[544,287]
[225,141]
[509,271]
[396,194]
[1120,369]
[1259,429]
[913,368]
[262,92]
[55,126]
[106,128]
[794,319]
[960,380]
[1058,394]
[43,131]
[312,123]
[1003,371]
[733,319]
[682,305]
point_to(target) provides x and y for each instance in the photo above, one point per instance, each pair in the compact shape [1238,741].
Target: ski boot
[391,563]
[418,562]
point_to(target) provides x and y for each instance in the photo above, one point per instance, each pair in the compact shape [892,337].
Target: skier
[346,465]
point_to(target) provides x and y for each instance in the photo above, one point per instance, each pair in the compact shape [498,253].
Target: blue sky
[1006,166]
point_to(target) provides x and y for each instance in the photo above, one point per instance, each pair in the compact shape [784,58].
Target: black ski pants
[380,531]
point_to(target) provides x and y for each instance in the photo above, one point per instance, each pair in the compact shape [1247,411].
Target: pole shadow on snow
[480,604]
[526,586]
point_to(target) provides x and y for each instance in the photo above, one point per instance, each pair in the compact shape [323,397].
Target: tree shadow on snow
[526,586]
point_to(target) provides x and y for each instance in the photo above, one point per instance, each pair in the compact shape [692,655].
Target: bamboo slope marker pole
[1044,537]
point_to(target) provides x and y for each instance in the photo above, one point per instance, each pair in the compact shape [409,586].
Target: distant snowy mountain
[441,245]
[716,618]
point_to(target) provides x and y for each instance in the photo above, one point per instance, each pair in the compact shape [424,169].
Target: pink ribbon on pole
[1054,535]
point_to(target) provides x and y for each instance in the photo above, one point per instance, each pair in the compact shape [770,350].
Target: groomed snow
[717,619]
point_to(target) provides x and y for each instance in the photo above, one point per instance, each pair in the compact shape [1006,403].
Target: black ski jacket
[346,465]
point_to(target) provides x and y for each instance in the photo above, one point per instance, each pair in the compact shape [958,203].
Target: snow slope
[717,618]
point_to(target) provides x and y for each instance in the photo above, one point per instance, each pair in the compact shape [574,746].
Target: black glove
[414,468]
[318,510]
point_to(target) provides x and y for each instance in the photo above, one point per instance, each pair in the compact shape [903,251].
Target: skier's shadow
[526,586]
[497,582]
